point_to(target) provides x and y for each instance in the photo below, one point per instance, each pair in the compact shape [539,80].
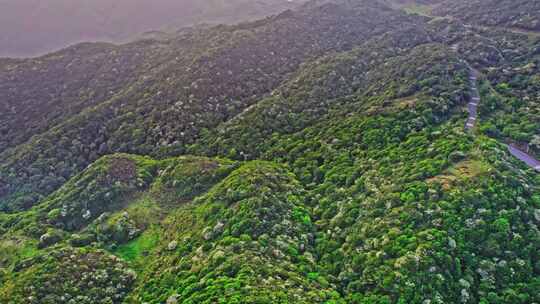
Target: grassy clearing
[461,171]
[469,169]
[418,9]
[138,248]
[13,249]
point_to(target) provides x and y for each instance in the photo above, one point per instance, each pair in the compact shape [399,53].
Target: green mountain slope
[515,14]
[199,79]
[319,156]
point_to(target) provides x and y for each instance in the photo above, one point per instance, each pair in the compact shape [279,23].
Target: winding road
[472,106]
[529,160]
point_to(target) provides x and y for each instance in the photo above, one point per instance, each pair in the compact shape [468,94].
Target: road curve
[524,157]
[472,106]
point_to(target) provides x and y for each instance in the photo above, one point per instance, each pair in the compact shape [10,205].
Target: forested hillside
[316,156]
[189,84]
[520,14]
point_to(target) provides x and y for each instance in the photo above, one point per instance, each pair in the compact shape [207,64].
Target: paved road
[526,158]
[473,116]
[472,106]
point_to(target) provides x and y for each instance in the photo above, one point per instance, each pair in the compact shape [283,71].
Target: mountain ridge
[317,156]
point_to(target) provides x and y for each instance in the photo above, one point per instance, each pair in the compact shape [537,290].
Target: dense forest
[319,155]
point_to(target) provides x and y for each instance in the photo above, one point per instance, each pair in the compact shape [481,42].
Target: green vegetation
[518,14]
[135,249]
[59,277]
[419,9]
[328,164]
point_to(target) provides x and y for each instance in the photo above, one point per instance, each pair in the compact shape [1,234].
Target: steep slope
[112,202]
[249,239]
[40,93]
[399,207]
[500,40]
[200,79]
[348,82]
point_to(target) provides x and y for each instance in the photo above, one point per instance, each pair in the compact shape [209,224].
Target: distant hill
[33,27]
[503,13]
